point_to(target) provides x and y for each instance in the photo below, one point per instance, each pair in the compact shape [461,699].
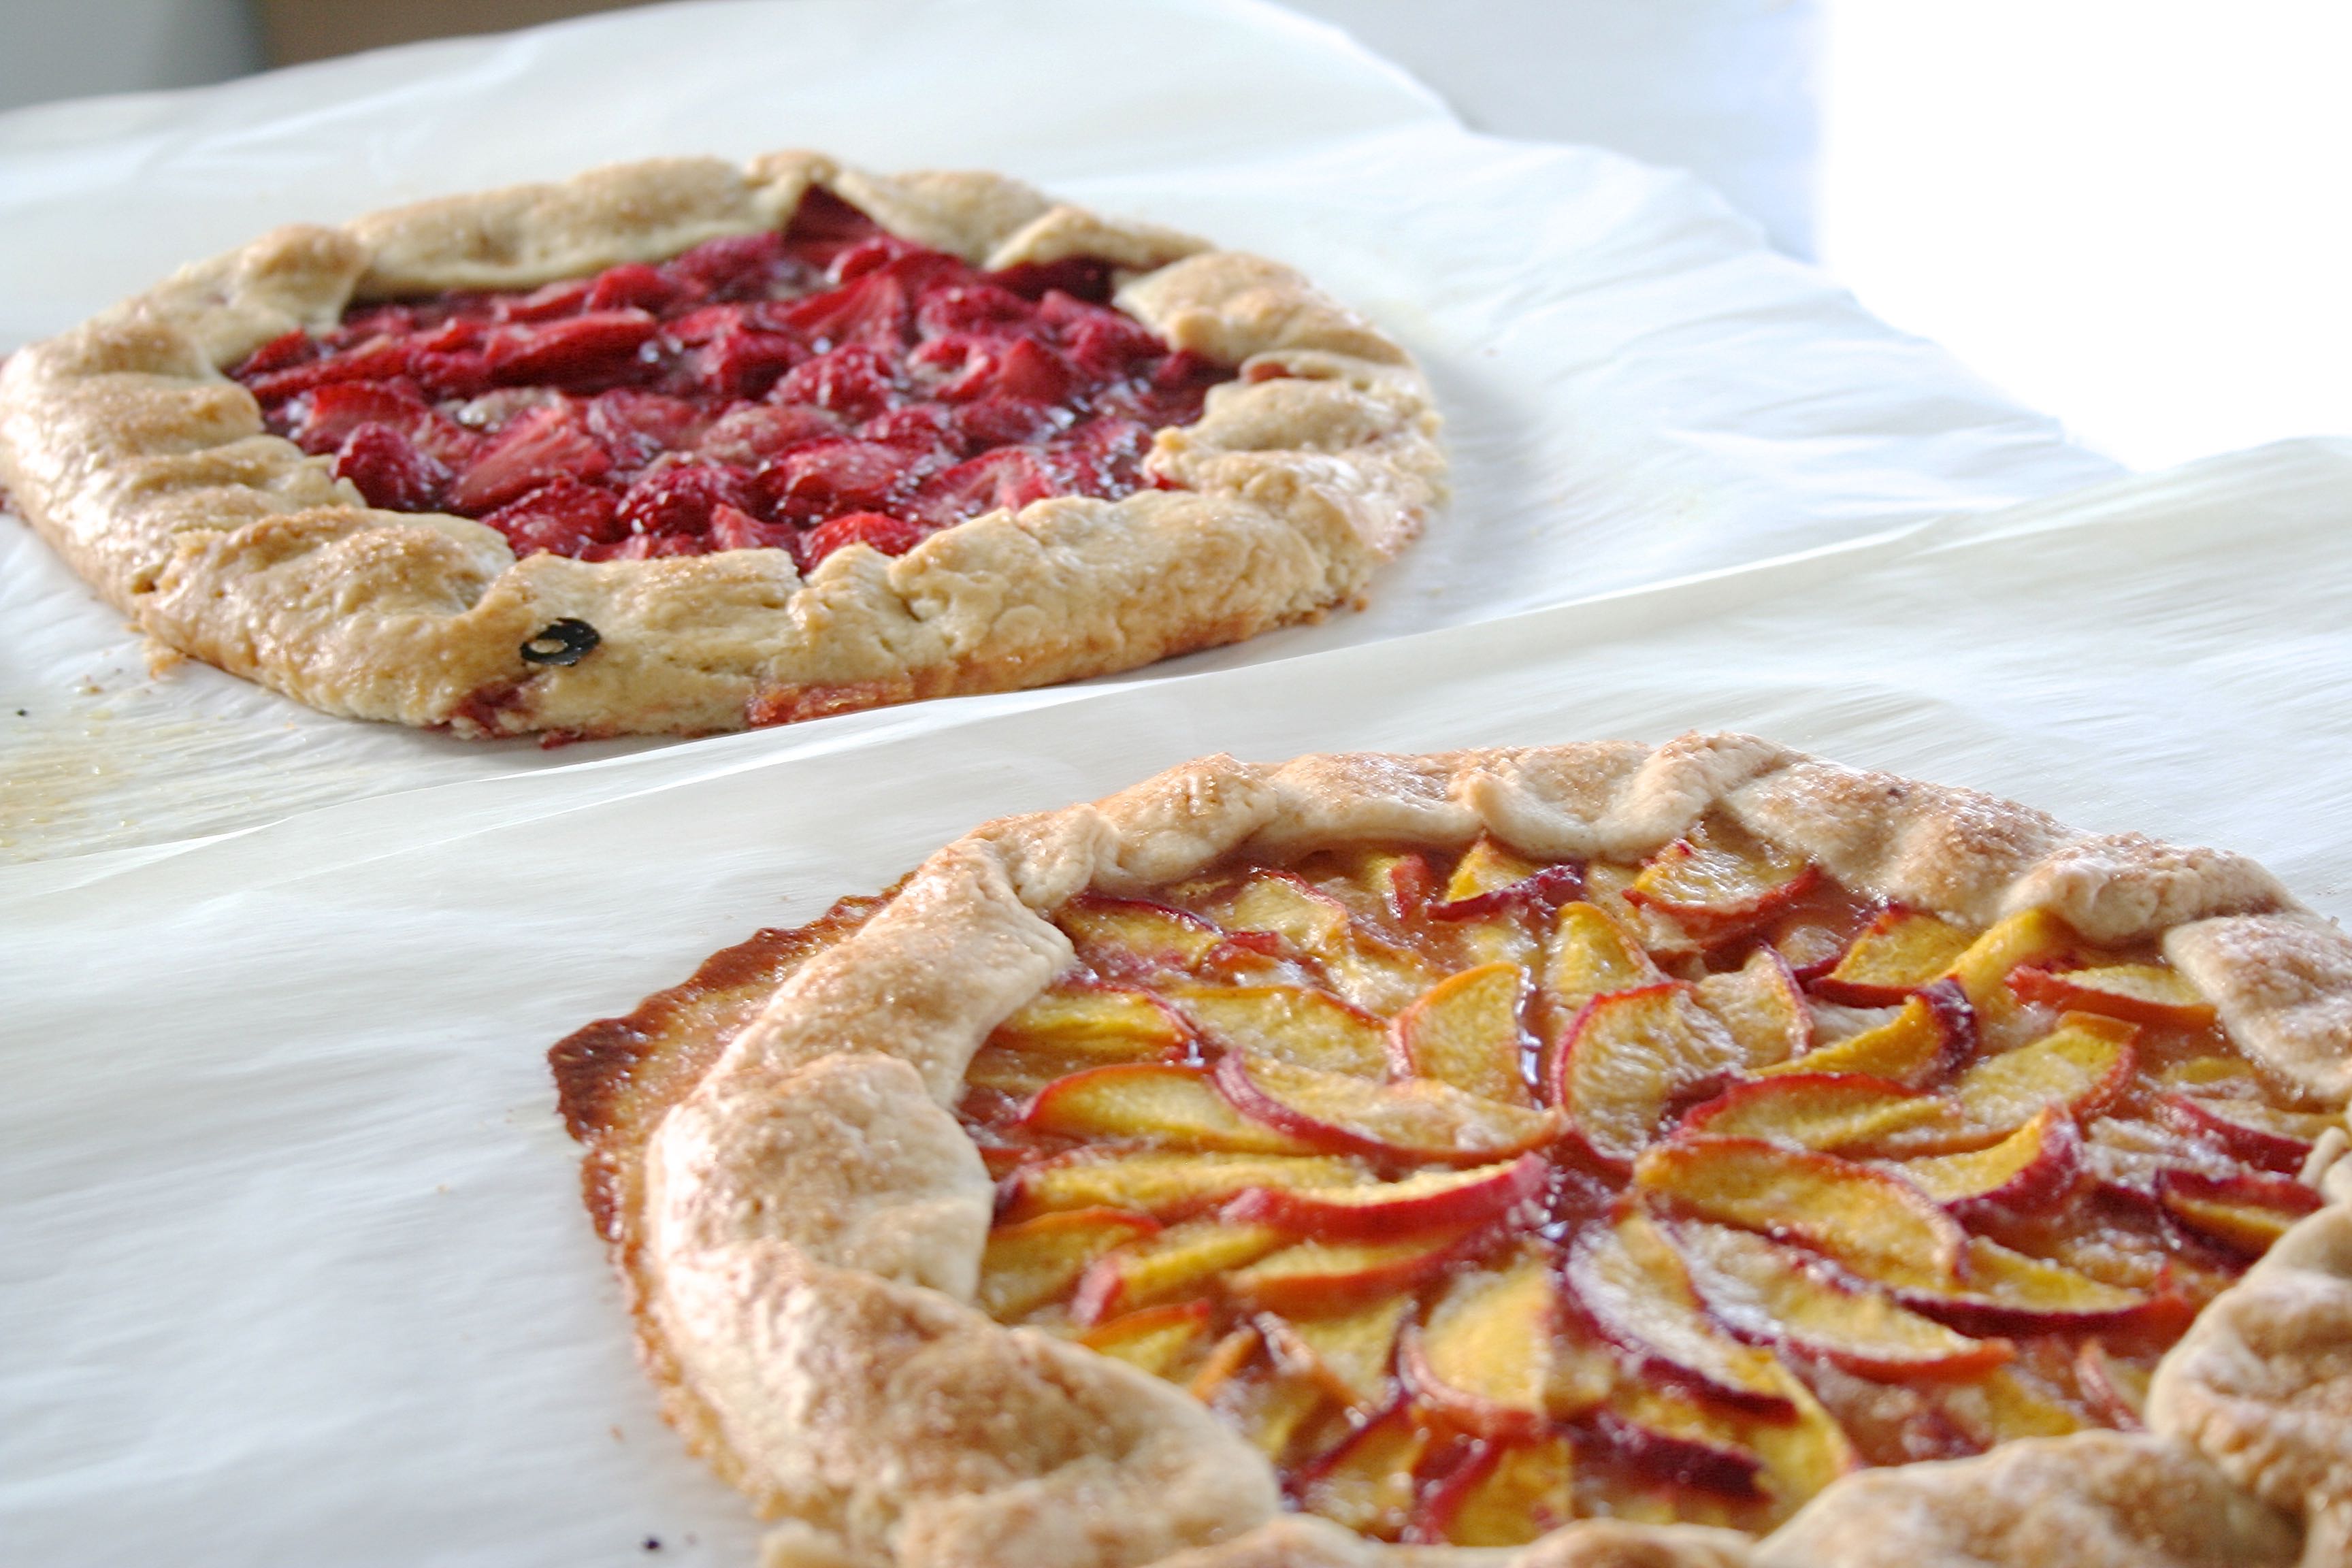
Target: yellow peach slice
[1465,1031]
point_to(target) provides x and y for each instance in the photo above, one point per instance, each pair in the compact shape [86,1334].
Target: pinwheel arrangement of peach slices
[1491,1195]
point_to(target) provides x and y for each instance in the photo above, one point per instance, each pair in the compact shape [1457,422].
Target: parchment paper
[1637,387]
[295,1266]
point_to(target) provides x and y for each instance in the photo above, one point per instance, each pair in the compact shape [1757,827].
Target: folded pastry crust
[799,1218]
[124,444]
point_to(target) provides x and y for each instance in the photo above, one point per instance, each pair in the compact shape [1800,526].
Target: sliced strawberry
[540,447]
[390,470]
[980,308]
[680,500]
[1008,477]
[855,382]
[564,518]
[734,529]
[740,266]
[579,351]
[827,478]
[637,427]
[755,432]
[890,535]
[565,298]
[631,285]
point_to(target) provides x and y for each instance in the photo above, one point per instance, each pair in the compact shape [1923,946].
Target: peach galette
[679,446]
[1593,1146]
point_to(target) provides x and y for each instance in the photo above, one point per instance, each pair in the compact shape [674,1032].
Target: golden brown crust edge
[963,943]
[128,450]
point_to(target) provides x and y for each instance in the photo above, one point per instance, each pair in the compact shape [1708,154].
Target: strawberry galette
[679,447]
[1695,1155]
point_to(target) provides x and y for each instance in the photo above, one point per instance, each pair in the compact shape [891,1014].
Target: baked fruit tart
[1701,1154]
[679,446]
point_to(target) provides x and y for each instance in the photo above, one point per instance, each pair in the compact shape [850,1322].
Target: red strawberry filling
[800,391]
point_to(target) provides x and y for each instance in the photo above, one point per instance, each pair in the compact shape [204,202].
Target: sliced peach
[1499,1494]
[2003,1291]
[1498,1357]
[1931,1035]
[1175,1107]
[1134,936]
[1879,1226]
[1632,1285]
[1072,1027]
[1896,954]
[1024,1266]
[1351,1354]
[1417,1119]
[1592,955]
[1465,1030]
[2255,1132]
[2080,1066]
[1315,1276]
[2246,1213]
[1159,1340]
[2030,936]
[1664,1432]
[1765,1292]
[1364,969]
[1488,866]
[1719,875]
[1269,1408]
[1165,1186]
[1499,882]
[1802,1455]
[2011,1404]
[1629,1056]
[2116,1390]
[2137,992]
[1829,1111]
[1760,1005]
[1182,1261]
[2032,1168]
[1313,1028]
[1606,886]
[1365,1482]
[1432,1200]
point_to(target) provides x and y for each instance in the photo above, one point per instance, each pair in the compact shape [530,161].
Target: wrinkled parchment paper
[1637,387]
[296,1270]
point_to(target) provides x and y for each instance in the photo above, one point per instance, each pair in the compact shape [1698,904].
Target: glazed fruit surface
[801,391]
[1483,1195]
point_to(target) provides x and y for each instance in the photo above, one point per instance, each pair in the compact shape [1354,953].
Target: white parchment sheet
[1636,387]
[296,1270]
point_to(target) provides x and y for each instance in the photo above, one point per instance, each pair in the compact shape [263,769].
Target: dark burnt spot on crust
[563,641]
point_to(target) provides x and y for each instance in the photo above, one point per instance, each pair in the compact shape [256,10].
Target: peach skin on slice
[1488,866]
[2244,1212]
[1632,1283]
[1896,954]
[1417,1119]
[1879,1226]
[1628,1057]
[1351,1354]
[1932,1033]
[1165,1186]
[1497,1355]
[1184,1260]
[2037,1165]
[2115,1388]
[1659,1430]
[1027,1265]
[1069,1028]
[1366,1482]
[1134,936]
[1313,1028]
[1151,1102]
[1432,1200]
[2004,1292]
[1373,974]
[2137,992]
[2030,936]
[1766,1293]
[1316,1277]
[1497,1494]
[1465,1030]
[2275,1140]
[1158,1340]
[1719,874]
[1829,1111]
[1592,955]
[1760,1005]
[2081,1065]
